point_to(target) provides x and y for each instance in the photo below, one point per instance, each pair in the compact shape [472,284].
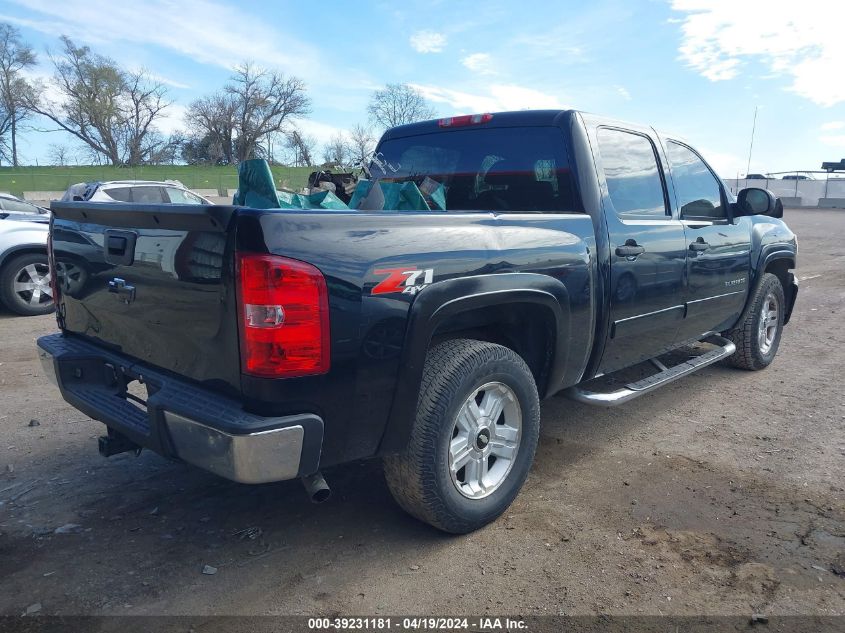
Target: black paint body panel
[183,317]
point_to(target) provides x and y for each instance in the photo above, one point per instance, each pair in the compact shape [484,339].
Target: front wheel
[757,336]
[473,439]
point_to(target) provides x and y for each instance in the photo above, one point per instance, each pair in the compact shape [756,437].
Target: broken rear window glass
[514,169]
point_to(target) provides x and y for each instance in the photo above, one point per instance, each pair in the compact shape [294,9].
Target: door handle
[699,245]
[630,249]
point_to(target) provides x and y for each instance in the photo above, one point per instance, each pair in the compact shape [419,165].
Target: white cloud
[834,140]
[428,41]
[480,63]
[44,77]
[833,125]
[802,41]
[161,78]
[554,44]
[623,92]
[203,30]
[172,119]
[727,165]
[498,97]
[323,132]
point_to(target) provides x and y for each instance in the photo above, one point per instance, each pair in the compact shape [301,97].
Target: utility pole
[751,145]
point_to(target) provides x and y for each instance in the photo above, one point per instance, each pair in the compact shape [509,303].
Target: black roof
[522,118]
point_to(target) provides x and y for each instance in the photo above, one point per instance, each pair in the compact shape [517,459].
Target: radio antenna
[751,145]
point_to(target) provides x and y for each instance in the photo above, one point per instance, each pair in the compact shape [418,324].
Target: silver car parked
[138,191]
[24,273]
[25,276]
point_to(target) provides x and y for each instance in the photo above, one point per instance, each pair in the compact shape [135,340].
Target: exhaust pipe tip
[317,488]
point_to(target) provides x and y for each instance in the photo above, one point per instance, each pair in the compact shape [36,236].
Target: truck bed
[177,311]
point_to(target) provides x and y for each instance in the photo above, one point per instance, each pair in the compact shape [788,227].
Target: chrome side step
[663,377]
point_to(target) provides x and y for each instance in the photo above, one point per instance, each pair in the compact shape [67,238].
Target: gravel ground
[720,494]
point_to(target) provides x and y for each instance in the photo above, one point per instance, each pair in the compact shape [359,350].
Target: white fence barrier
[812,193]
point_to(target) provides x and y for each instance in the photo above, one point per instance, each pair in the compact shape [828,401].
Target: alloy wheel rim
[32,284]
[768,326]
[69,277]
[485,440]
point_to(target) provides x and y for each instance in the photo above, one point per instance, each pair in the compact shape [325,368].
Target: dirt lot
[721,494]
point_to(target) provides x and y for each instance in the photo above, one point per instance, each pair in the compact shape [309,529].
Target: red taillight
[51,265]
[465,119]
[284,317]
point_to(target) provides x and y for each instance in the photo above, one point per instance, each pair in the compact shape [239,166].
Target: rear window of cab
[506,169]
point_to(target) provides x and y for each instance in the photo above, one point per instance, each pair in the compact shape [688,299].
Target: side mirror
[754,201]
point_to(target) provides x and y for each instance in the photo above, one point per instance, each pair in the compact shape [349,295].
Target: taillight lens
[284,317]
[51,265]
[465,119]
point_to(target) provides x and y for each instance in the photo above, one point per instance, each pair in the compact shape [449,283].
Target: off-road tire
[9,273]
[746,335]
[419,478]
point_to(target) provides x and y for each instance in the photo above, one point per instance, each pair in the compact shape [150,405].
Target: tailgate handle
[119,247]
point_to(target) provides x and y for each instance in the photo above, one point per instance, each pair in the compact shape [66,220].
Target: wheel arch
[526,312]
[780,263]
[21,249]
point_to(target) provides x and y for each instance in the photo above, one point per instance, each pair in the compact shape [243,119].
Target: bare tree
[264,102]
[15,91]
[161,150]
[336,151]
[362,142]
[253,106]
[301,146]
[203,150]
[145,101]
[110,110]
[213,123]
[398,104]
[59,154]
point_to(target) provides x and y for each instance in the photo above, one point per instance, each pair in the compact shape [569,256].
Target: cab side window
[632,173]
[697,189]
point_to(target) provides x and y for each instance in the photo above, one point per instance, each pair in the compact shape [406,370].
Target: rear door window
[121,194]
[514,169]
[632,173]
[147,195]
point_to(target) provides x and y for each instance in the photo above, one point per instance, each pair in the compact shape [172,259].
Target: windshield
[516,169]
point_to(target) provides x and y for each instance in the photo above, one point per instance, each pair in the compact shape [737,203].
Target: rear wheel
[473,439]
[757,336]
[25,284]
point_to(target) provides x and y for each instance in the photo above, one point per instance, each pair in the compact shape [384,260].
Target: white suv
[139,191]
[13,204]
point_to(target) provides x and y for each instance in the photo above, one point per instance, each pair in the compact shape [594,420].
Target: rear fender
[443,300]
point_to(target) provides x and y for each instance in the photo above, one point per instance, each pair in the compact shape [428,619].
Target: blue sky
[697,68]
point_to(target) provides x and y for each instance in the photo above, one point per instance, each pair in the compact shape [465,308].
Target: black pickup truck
[265,345]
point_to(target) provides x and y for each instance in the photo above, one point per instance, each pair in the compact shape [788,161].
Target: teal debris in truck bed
[379,195]
[257,189]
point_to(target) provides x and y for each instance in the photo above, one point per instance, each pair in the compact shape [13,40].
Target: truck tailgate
[156,284]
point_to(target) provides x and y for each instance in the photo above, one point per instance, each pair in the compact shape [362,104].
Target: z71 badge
[402,280]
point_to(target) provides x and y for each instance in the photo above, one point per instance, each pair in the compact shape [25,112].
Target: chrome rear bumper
[179,418]
[253,458]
